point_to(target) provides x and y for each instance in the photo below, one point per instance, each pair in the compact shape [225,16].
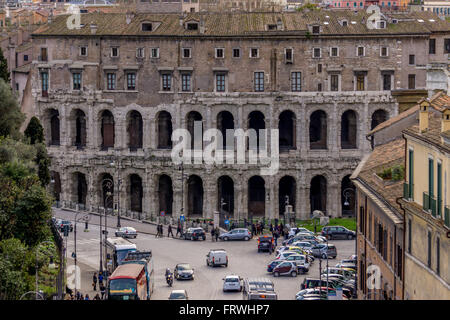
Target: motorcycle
[169,279]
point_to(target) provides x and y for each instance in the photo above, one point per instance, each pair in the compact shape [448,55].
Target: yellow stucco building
[426,200]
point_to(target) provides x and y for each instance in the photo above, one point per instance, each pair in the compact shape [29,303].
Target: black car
[266,243]
[338,232]
[195,234]
[183,271]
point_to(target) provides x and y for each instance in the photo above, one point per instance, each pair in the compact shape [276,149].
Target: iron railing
[408,191]
[429,204]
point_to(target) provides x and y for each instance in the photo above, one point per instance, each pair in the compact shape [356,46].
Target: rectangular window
[254,53]
[220,82]
[114,52]
[259,81]
[131,81]
[319,68]
[446,45]
[288,55]
[111,77]
[155,52]
[316,29]
[236,53]
[83,51]
[411,81]
[76,81]
[186,52]
[411,172]
[384,52]
[186,82]
[430,177]
[319,87]
[432,46]
[386,82]
[360,51]
[439,189]
[140,52]
[296,81]
[412,59]
[166,81]
[334,82]
[334,52]
[429,250]
[219,53]
[409,236]
[44,80]
[43,54]
[25,57]
[316,53]
[360,82]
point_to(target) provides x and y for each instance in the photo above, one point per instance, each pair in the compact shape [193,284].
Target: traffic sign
[182,218]
[227,221]
[162,213]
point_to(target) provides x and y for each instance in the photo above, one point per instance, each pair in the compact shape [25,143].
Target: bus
[133,279]
[116,249]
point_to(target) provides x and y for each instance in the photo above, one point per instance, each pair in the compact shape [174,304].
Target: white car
[232,283]
[283,255]
[303,244]
[217,257]
[178,295]
[126,232]
[294,231]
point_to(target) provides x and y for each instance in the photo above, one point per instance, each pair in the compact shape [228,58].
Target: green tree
[4,73]
[43,162]
[15,261]
[10,115]
[35,131]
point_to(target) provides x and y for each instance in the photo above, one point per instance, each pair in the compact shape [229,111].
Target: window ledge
[121,91]
[166,91]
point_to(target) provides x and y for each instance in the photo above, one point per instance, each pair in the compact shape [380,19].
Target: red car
[285,268]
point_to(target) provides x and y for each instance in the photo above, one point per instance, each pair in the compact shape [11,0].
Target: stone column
[147,191]
[302,201]
[270,207]
[152,195]
[332,198]
[149,133]
[65,189]
[91,203]
[210,201]
[302,131]
[240,192]
[363,129]
[63,127]
[91,129]
[334,131]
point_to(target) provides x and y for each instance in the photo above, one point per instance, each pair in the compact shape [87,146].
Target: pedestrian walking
[97,297]
[253,229]
[94,281]
[212,234]
[81,297]
[169,231]
[161,230]
[100,278]
[78,295]
[276,235]
[178,230]
[102,290]
[87,297]
[216,233]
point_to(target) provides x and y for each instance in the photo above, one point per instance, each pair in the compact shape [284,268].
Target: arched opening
[165,192]
[106,190]
[287,128]
[56,182]
[348,193]
[286,191]
[164,130]
[135,130]
[225,188]
[225,121]
[80,129]
[318,194]
[135,193]
[318,130]
[257,122]
[378,117]
[193,117]
[53,116]
[80,187]
[107,130]
[256,196]
[195,196]
[348,130]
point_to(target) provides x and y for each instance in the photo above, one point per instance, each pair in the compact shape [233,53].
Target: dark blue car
[273,264]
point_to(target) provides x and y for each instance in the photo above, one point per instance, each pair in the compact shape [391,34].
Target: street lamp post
[347,193]
[36,274]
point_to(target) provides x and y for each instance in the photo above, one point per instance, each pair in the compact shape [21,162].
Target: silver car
[126,232]
[236,234]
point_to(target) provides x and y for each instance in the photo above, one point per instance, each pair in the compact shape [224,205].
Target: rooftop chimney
[445,122]
[129,16]
[93,28]
[423,115]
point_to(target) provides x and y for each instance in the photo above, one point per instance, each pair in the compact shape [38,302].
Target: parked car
[232,283]
[299,237]
[303,244]
[273,264]
[195,234]
[338,232]
[283,255]
[346,264]
[178,295]
[285,268]
[217,257]
[301,261]
[345,273]
[294,231]
[266,243]
[323,250]
[183,271]
[62,223]
[321,291]
[332,283]
[294,249]
[236,234]
[126,232]
[259,289]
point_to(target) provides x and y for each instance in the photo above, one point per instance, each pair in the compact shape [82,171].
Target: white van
[217,257]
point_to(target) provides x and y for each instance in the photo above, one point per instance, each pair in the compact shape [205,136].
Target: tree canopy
[10,115]
[4,73]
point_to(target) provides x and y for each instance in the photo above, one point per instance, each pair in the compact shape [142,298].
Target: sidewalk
[86,273]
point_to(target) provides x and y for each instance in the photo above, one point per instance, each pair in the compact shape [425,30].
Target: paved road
[244,260]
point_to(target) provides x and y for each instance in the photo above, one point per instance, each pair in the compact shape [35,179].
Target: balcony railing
[447,216]
[429,204]
[408,191]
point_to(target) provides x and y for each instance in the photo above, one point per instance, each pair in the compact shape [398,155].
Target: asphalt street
[244,260]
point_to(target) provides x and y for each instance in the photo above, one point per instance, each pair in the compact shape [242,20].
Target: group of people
[258,228]
[278,231]
[215,233]
[96,280]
